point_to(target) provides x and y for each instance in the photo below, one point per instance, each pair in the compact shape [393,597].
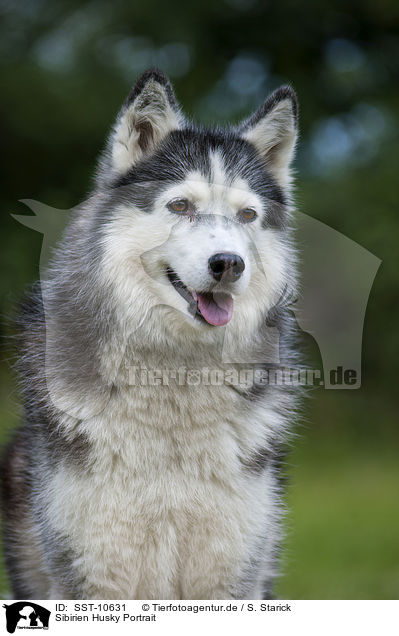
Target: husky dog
[128,479]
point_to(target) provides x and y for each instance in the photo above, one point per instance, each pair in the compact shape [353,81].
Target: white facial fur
[140,246]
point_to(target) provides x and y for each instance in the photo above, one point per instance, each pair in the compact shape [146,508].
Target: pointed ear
[150,112]
[273,131]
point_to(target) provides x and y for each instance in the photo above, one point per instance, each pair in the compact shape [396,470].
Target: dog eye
[179,206]
[246,215]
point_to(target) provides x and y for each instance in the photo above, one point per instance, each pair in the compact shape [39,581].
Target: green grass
[8,420]
[343,520]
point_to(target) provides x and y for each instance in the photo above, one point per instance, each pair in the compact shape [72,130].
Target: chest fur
[165,485]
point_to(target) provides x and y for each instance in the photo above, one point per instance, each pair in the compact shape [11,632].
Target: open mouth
[215,308]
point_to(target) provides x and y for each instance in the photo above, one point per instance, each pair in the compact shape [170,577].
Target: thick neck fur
[94,336]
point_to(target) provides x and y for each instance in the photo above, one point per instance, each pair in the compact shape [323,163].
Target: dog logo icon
[26,615]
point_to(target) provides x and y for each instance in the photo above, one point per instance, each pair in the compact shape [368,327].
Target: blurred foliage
[66,67]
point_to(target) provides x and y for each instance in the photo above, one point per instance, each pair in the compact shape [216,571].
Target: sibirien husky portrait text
[146,467]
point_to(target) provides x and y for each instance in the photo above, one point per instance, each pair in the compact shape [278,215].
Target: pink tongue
[217,308]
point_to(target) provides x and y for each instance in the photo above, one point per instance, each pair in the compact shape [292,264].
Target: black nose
[230,266]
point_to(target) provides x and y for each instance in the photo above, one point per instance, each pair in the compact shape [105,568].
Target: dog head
[197,219]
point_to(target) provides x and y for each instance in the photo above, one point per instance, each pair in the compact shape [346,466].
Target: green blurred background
[66,66]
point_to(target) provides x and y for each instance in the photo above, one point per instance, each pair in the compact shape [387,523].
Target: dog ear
[273,130]
[150,112]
